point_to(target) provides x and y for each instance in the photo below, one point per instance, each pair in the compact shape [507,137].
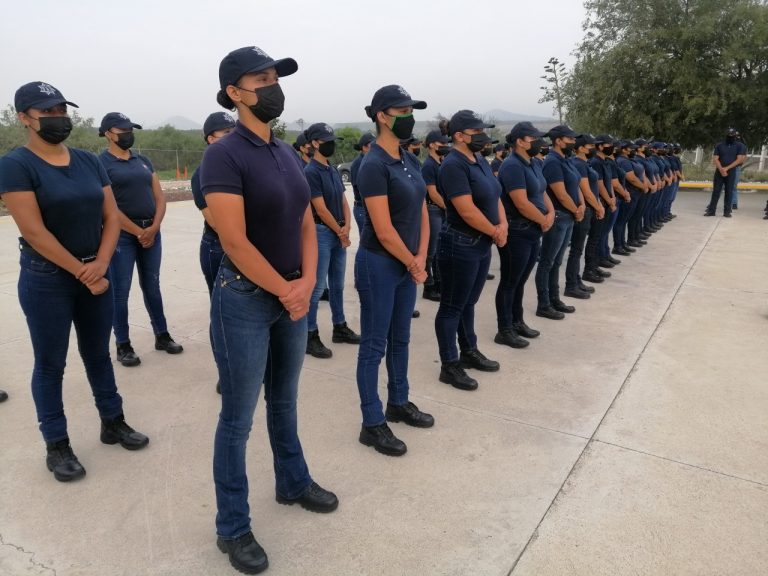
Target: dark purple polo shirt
[270,178]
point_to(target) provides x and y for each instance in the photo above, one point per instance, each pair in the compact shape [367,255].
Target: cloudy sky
[157,59]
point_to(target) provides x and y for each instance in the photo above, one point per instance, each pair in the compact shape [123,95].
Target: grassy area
[705,173]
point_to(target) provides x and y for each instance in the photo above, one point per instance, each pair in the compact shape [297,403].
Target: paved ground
[630,438]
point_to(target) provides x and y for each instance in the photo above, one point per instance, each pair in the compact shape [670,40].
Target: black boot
[477,360]
[524,330]
[382,440]
[3,395]
[561,306]
[116,431]
[62,461]
[315,346]
[409,414]
[510,338]
[126,355]
[245,554]
[163,341]
[452,373]
[343,334]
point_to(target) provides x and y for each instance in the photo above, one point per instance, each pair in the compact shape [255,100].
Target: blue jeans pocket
[41,267]
[465,239]
[238,283]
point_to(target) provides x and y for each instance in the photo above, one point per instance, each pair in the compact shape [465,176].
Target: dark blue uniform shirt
[605,171]
[325,181]
[460,177]
[517,173]
[728,152]
[495,165]
[270,178]
[199,199]
[401,182]
[429,171]
[132,184]
[585,171]
[353,170]
[559,169]
[71,198]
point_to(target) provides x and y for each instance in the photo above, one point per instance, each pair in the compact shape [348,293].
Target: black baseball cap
[365,140]
[561,131]
[217,121]
[626,144]
[604,139]
[436,136]
[499,148]
[584,139]
[467,120]
[321,131]
[410,140]
[521,130]
[640,142]
[40,95]
[392,96]
[116,120]
[249,60]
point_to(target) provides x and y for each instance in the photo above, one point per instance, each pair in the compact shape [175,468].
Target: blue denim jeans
[587,229]
[147,261]
[256,343]
[553,246]
[436,219]
[626,210]
[517,259]
[359,214]
[464,261]
[387,298]
[52,301]
[606,228]
[211,254]
[331,264]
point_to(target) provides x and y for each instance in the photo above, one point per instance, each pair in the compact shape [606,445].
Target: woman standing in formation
[141,206]
[255,188]
[475,220]
[61,201]
[390,261]
[437,147]
[358,210]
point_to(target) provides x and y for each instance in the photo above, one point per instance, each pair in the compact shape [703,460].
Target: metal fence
[173,163]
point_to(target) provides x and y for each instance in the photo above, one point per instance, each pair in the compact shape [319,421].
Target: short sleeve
[372,180]
[717,151]
[99,167]
[15,176]
[429,173]
[512,176]
[453,180]
[219,172]
[553,172]
[315,181]
[582,168]
[197,193]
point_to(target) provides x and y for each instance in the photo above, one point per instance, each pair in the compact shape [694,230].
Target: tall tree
[555,77]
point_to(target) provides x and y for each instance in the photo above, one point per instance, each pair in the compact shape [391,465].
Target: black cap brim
[46,103]
[283,67]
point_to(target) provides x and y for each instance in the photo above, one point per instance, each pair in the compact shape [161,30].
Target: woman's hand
[419,277]
[296,301]
[98,286]
[91,272]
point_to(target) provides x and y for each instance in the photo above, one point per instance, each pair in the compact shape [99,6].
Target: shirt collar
[384,155]
[241,129]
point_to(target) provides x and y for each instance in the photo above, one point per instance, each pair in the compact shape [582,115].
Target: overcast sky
[155,59]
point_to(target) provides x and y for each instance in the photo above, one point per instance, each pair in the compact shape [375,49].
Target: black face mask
[125,140]
[478,142]
[54,129]
[632,154]
[544,150]
[403,126]
[568,150]
[730,139]
[327,149]
[416,151]
[535,149]
[504,154]
[591,153]
[443,150]
[608,150]
[271,102]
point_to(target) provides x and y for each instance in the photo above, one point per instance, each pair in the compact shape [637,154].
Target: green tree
[675,69]
[556,77]
[345,149]
[278,128]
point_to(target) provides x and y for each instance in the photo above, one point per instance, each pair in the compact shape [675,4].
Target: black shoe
[383,440]
[765,217]
[510,338]
[62,461]
[415,314]
[490,276]
[727,214]
[452,373]
[126,355]
[576,293]
[550,313]
[3,395]
[315,346]
[324,296]
[592,276]
[163,341]
[218,387]
[613,260]
[477,360]
[621,251]
[343,334]
[245,554]
[735,206]
[431,294]
[117,431]
[522,329]
[561,306]
[602,273]
[605,263]
[628,249]
[709,213]
[313,498]
[635,244]
[409,414]
[584,288]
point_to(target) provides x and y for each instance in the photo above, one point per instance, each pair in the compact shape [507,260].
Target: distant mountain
[178,122]
[507,116]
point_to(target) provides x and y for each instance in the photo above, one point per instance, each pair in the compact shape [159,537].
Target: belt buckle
[88,259]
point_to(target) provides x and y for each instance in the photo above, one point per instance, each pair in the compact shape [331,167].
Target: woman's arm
[378,211]
[435,196]
[110,232]
[519,198]
[298,298]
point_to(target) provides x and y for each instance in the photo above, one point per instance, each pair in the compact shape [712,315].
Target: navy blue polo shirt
[585,171]
[495,165]
[518,173]
[559,169]
[353,170]
[132,184]
[270,178]
[460,177]
[625,166]
[401,182]
[651,170]
[71,198]
[728,152]
[429,171]
[618,171]
[657,162]
[324,181]
[605,173]
[199,199]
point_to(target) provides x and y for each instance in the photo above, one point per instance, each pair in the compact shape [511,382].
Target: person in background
[475,220]
[332,220]
[744,152]
[438,145]
[390,262]
[304,148]
[216,126]
[634,186]
[413,145]
[499,154]
[358,209]
[141,205]
[728,156]
[62,203]
[255,187]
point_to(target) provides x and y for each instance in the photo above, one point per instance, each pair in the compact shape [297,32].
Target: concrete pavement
[630,438]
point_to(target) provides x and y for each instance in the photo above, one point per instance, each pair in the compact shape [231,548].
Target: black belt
[471,232]
[229,265]
[318,221]
[143,222]
[27,249]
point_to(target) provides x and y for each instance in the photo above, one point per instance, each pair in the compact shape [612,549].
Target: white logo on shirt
[47,89]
